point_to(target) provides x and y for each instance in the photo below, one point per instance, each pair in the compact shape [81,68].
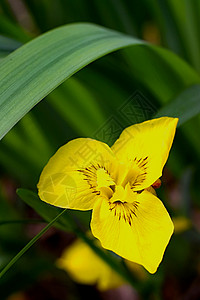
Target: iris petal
[138,232]
[69,179]
[146,145]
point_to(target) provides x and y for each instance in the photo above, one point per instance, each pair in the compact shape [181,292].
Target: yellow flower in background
[85,267]
[117,183]
[181,224]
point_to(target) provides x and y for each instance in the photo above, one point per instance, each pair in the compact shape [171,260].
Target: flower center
[116,188]
[117,183]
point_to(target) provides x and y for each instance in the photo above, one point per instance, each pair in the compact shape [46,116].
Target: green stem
[11,263]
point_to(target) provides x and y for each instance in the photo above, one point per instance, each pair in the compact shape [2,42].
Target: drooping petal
[69,179]
[147,145]
[138,232]
[85,267]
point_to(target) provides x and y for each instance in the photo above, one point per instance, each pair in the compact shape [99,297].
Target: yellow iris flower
[116,183]
[86,267]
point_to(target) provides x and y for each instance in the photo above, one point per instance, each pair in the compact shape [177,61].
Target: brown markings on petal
[124,210]
[142,164]
[90,176]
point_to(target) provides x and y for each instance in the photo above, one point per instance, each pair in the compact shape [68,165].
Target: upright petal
[69,178]
[138,232]
[147,145]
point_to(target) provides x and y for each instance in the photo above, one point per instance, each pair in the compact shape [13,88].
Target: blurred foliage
[99,101]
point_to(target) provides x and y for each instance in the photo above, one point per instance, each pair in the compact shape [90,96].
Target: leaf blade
[185,106]
[34,70]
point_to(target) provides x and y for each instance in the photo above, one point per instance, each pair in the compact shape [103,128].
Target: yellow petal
[147,145]
[85,267]
[69,178]
[140,236]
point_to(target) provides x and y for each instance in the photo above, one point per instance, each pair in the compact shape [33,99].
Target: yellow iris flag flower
[86,267]
[116,183]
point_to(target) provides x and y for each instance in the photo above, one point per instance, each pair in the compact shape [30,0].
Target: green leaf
[162,72]
[179,23]
[48,212]
[35,69]
[83,112]
[185,106]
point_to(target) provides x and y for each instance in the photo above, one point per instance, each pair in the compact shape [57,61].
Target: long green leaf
[83,112]
[34,70]
[185,106]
